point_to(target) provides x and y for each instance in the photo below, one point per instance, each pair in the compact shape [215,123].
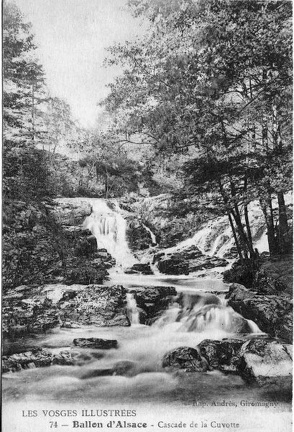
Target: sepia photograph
[147,228]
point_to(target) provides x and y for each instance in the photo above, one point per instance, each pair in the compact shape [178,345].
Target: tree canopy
[212,82]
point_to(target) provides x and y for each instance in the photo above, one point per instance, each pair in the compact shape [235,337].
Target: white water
[109,228]
[133,312]
[193,316]
[187,322]
[153,237]
[216,239]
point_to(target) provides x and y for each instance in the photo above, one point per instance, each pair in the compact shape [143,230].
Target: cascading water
[215,238]
[109,228]
[133,312]
[153,237]
[205,314]
[194,315]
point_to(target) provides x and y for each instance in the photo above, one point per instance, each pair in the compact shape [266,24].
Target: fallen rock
[37,357]
[275,275]
[185,358]
[206,262]
[125,368]
[173,266]
[187,260]
[223,355]
[95,343]
[139,268]
[97,304]
[152,301]
[272,313]
[266,362]
[86,246]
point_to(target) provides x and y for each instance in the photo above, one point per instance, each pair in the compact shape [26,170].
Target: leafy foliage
[212,83]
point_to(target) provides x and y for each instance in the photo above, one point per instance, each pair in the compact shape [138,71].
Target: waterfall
[109,228]
[133,312]
[207,314]
[153,237]
[215,237]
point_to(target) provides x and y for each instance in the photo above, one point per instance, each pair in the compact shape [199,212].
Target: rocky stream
[163,330]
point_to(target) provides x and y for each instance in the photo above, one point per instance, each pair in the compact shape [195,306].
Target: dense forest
[202,111]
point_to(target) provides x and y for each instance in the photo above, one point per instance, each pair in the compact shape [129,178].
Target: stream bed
[145,393]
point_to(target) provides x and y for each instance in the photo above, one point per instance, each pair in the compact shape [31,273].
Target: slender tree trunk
[106,184]
[283,224]
[267,211]
[229,213]
[239,250]
[33,113]
[246,245]
[249,234]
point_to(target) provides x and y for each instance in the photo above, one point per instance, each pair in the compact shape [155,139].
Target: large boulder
[97,304]
[139,268]
[139,238]
[152,301]
[186,260]
[272,313]
[223,355]
[185,358]
[266,362]
[275,275]
[37,357]
[173,266]
[68,211]
[31,309]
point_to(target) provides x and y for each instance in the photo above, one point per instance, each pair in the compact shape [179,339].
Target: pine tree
[24,92]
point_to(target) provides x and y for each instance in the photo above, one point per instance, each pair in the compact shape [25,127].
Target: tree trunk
[235,237]
[33,113]
[249,235]
[230,212]
[245,243]
[283,224]
[268,215]
[106,184]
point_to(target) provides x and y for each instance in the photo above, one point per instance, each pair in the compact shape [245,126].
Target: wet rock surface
[275,275]
[139,269]
[38,357]
[223,355]
[185,261]
[185,358]
[95,343]
[32,310]
[270,275]
[125,368]
[266,362]
[96,304]
[152,301]
[27,310]
[263,361]
[173,266]
[272,313]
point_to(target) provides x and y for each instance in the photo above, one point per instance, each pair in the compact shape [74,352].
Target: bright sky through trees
[72,36]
